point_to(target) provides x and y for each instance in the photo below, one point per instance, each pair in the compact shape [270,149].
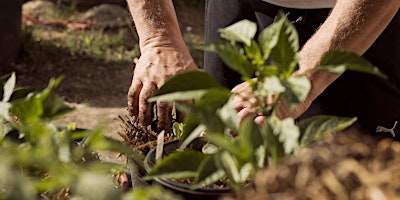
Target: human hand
[154,67]
[245,104]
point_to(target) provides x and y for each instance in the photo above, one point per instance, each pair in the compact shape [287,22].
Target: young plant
[267,64]
[40,159]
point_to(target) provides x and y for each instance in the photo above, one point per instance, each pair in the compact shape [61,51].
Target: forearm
[353,25]
[156,23]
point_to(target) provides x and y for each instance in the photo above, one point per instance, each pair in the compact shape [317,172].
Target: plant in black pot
[232,150]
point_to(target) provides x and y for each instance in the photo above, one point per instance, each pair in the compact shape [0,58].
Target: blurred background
[91,43]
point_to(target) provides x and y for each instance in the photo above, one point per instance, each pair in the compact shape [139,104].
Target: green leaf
[250,137]
[207,116]
[232,56]
[253,53]
[289,135]
[319,126]
[43,105]
[8,88]
[168,168]
[271,134]
[208,172]
[192,136]
[245,171]
[270,85]
[228,144]
[284,54]
[338,61]
[229,116]
[297,89]
[228,163]
[214,98]
[242,31]
[267,70]
[193,80]
[4,111]
[189,124]
[179,96]
[268,39]
[21,93]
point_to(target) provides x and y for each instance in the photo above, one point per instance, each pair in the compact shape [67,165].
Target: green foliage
[39,159]
[271,60]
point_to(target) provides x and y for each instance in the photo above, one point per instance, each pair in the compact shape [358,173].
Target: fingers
[133,97]
[164,116]
[145,107]
[246,112]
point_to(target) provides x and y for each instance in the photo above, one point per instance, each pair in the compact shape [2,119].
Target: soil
[100,85]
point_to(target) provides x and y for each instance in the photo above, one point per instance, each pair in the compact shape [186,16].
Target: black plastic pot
[179,187]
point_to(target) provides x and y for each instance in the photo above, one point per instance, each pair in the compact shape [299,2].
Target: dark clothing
[376,102]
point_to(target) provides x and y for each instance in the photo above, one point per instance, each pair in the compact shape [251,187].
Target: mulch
[346,165]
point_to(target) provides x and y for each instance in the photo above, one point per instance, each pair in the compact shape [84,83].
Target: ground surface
[89,78]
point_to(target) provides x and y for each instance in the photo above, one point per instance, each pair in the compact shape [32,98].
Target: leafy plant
[40,159]
[271,60]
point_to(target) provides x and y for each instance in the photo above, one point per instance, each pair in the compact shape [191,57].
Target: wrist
[159,41]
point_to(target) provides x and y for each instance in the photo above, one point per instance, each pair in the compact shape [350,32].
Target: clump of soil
[348,165]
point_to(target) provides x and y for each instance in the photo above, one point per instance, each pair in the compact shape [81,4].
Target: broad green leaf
[189,124]
[53,105]
[253,53]
[245,171]
[230,166]
[232,55]
[192,136]
[260,156]
[208,117]
[43,105]
[267,70]
[297,89]
[193,80]
[21,93]
[316,127]
[214,98]
[209,148]
[233,58]
[229,116]
[188,160]
[4,111]
[272,143]
[208,172]
[284,54]
[250,137]
[228,144]
[5,128]
[268,39]
[179,96]
[9,88]
[289,135]
[270,85]
[3,80]
[242,31]
[350,61]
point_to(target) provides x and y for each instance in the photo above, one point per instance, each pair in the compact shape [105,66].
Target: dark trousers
[376,102]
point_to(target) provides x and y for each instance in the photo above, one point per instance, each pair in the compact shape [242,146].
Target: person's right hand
[155,66]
